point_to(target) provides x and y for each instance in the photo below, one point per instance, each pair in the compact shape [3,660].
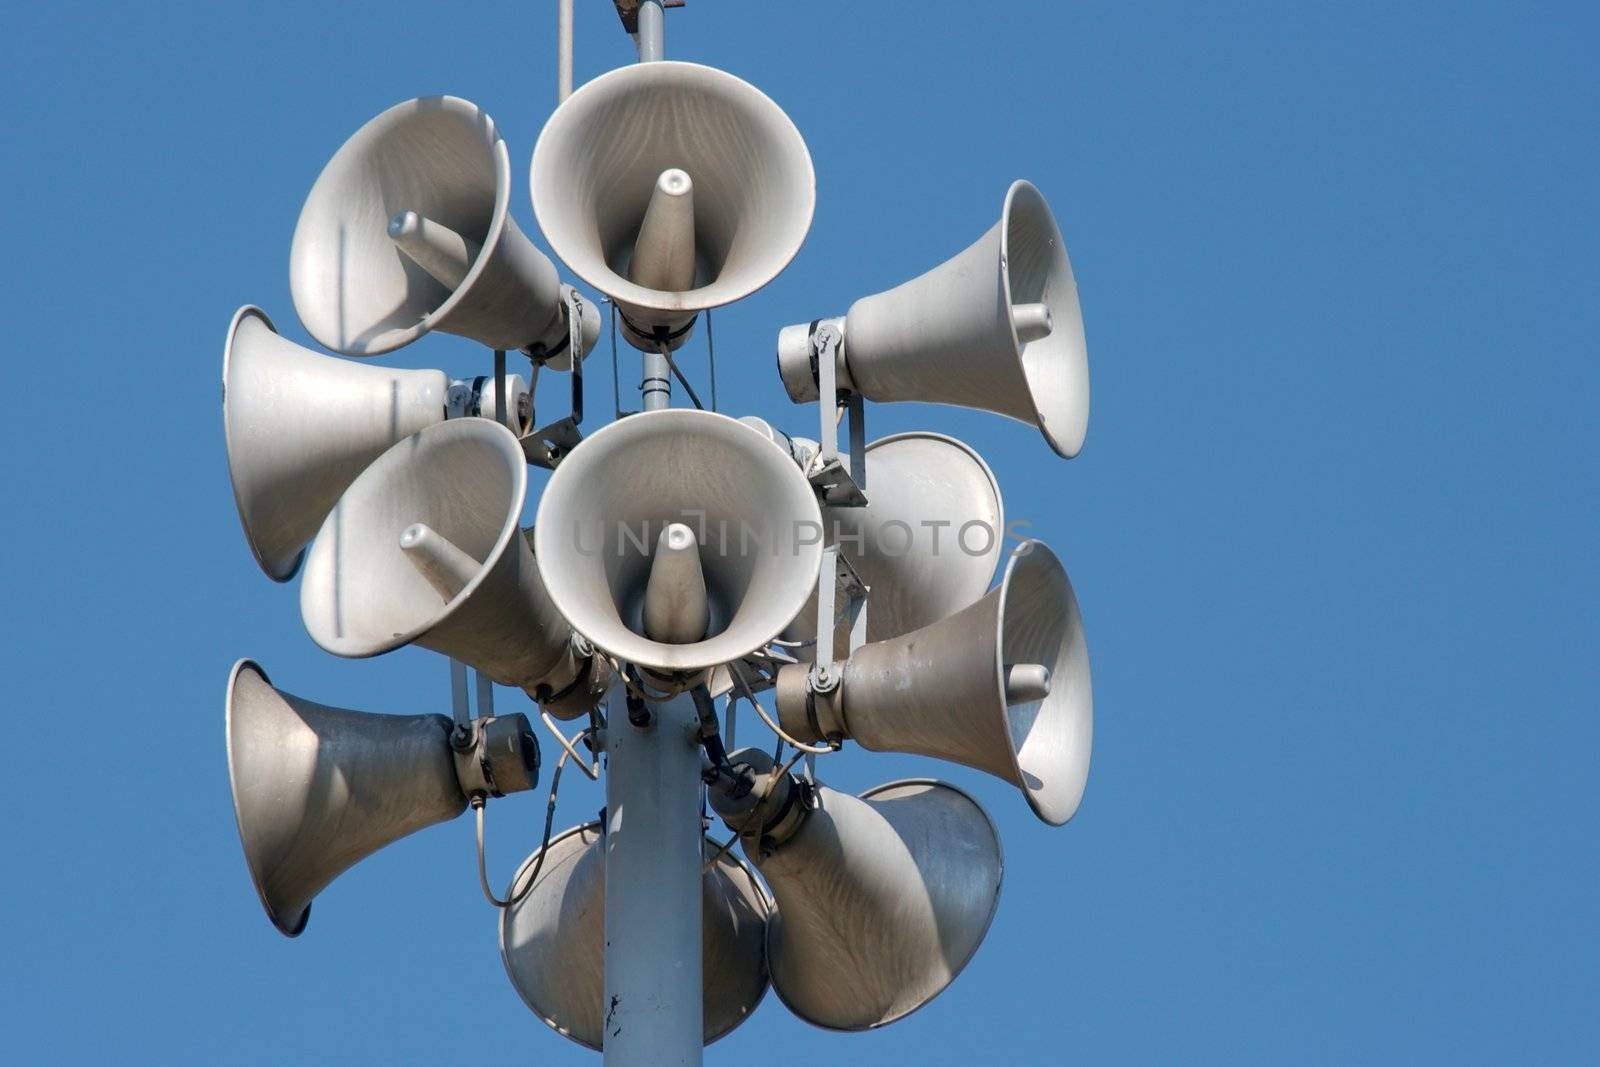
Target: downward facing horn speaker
[881,899]
[672,188]
[407,231]
[1002,686]
[552,940]
[627,513]
[425,546]
[997,327]
[301,426]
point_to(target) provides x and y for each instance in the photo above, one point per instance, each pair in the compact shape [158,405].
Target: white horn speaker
[672,188]
[997,328]
[407,231]
[552,940]
[881,899]
[300,426]
[317,789]
[599,535]
[425,546]
[1002,686]
[926,543]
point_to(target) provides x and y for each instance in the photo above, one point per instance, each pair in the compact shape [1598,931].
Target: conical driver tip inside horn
[599,165]
[1044,682]
[598,537]
[1046,319]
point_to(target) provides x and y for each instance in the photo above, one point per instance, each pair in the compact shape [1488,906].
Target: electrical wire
[818,750]
[592,771]
[516,896]
[672,365]
[711,358]
[616,374]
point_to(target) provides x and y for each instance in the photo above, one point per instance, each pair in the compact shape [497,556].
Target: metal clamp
[846,584]
[835,485]
[548,445]
[495,756]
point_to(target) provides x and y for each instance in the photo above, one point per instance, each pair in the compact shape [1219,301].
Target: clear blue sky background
[1334,530]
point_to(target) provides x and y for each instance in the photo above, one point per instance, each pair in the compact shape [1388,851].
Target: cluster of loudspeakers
[672,188]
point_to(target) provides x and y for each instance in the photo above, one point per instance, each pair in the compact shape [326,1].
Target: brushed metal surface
[605,507]
[316,789]
[361,595]
[941,691]
[881,901]
[552,942]
[356,292]
[950,336]
[931,498]
[600,155]
[299,428]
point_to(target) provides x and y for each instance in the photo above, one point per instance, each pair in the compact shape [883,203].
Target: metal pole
[656,386]
[563,50]
[652,32]
[653,1000]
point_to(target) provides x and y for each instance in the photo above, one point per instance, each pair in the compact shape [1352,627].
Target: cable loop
[591,770]
[814,750]
[515,896]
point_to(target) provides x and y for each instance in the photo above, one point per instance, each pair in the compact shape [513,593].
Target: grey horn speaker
[756,544]
[407,231]
[425,546]
[317,789]
[927,542]
[672,188]
[300,426]
[881,899]
[1002,686]
[552,940]
[997,327]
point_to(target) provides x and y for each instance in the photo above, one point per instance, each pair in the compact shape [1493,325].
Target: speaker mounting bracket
[848,587]
[836,485]
[547,446]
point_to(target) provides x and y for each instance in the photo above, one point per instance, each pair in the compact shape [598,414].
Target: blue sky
[1333,531]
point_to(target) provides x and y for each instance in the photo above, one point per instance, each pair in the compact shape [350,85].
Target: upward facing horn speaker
[425,546]
[406,231]
[928,540]
[997,327]
[1002,686]
[672,187]
[881,899]
[552,939]
[628,513]
[301,426]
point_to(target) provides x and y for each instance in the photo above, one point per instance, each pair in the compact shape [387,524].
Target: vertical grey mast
[563,50]
[655,387]
[653,1012]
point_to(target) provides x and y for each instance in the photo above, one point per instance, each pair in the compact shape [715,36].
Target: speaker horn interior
[928,540]
[601,518]
[406,231]
[608,148]
[1002,686]
[426,547]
